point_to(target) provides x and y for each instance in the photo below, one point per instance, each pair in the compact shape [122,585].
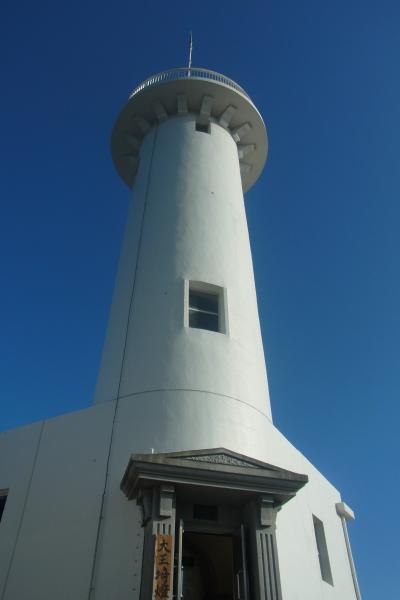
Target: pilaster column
[158,519]
[261,525]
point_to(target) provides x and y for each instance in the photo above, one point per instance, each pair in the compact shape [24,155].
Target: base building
[175,484]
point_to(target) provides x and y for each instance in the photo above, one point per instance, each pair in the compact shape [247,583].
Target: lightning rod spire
[190,50]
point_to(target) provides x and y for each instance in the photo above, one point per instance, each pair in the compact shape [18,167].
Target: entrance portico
[209,518]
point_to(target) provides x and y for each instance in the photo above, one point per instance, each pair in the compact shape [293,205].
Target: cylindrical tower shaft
[184,314]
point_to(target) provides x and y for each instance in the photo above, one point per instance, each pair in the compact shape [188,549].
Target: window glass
[204,301]
[203,310]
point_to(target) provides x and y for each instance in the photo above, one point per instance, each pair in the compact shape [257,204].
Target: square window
[203,127]
[205,307]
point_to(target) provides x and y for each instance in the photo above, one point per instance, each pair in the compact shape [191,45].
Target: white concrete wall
[53,535]
[225,422]
[18,450]
[188,221]
[55,472]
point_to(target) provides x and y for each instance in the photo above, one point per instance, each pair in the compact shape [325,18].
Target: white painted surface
[229,105]
[53,536]
[55,550]
[17,457]
[188,192]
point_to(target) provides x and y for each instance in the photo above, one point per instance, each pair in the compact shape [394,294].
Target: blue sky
[323,218]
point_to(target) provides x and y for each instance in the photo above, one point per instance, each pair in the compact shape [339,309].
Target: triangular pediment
[220,456]
[221,459]
[216,468]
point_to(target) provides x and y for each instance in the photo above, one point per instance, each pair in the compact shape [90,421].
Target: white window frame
[207,288]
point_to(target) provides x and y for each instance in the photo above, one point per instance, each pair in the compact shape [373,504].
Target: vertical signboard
[163,565]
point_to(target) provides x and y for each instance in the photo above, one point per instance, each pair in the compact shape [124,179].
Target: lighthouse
[175,484]
[184,318]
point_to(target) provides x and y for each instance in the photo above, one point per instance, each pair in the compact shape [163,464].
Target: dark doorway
[207,566]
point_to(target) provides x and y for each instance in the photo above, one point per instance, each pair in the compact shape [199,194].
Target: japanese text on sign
[162,567]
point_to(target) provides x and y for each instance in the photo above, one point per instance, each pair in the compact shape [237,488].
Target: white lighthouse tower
[175,484]
[184,319]
[184,344]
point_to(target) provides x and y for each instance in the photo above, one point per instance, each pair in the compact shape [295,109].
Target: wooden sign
[163,564]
